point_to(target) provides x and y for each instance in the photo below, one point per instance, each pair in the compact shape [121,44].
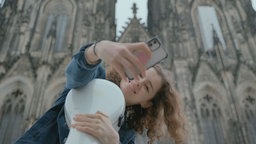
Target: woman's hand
[97,125]
[120,56]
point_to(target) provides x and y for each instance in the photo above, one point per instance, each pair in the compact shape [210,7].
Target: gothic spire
[134,9]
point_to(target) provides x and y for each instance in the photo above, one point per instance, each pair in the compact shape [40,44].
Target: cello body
[97,95]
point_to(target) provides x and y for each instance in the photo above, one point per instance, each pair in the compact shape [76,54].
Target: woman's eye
[147,88]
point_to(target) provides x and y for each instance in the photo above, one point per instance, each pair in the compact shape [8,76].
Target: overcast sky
[124,11]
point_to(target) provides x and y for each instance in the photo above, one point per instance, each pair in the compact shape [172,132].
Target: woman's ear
[146,104]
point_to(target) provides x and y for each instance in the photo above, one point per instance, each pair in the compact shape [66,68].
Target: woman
[152,104]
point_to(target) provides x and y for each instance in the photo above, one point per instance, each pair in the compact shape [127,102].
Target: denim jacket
[51,128]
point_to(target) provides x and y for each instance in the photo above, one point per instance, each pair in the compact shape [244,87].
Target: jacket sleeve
[79,72]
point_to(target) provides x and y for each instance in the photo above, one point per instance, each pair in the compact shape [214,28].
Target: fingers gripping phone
[158,53]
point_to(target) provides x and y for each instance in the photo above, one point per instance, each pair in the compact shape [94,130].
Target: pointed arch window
[1,3]
[208,22]
[55,29]
[11,115]
[249,104]
[211,117]
[253,4]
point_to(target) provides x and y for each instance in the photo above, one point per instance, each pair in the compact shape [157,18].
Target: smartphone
[158,54]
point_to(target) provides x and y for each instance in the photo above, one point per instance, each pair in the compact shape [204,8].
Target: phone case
[158,53]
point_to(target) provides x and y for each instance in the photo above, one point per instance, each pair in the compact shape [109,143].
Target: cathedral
[212,56]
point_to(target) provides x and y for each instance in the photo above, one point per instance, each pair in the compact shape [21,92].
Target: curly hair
[165,112]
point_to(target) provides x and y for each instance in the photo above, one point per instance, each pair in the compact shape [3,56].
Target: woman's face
[143,90]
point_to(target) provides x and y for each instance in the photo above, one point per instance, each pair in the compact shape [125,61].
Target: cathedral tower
[37,39]
[213,48]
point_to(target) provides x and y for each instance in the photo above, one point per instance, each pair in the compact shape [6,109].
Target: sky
[124,11]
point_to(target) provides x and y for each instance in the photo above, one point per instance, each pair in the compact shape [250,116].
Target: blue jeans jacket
[51,128]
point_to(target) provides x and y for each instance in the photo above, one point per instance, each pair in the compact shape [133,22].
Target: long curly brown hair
[165,114]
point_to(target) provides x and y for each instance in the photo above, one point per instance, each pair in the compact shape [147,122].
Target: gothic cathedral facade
[212,57]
